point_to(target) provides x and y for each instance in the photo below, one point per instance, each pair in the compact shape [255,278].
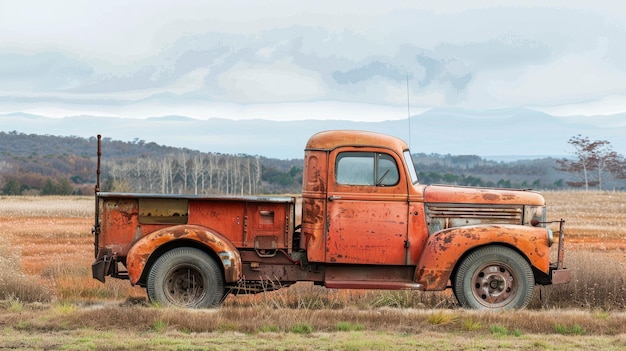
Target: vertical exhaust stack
[98,167]
[96,227]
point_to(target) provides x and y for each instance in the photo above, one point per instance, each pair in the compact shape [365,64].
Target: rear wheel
[186,277]
[494,277]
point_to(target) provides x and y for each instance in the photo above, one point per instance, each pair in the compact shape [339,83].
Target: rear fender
[444,249]
[140,253]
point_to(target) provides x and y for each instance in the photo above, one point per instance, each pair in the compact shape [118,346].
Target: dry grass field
[49,301]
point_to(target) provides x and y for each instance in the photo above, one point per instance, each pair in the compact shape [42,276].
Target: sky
[291,60]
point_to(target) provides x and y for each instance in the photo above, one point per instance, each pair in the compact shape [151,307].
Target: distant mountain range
[506,134]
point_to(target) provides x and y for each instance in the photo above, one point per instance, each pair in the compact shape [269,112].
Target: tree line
[53,165]
[48,165]
[199,173]
[470,180]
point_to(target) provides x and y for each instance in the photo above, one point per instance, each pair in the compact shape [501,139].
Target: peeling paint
[362,236]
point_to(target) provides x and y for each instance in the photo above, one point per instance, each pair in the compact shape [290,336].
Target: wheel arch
[445,250]
[148,249]
[499,244]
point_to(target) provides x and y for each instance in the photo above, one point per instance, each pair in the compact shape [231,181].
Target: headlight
[550,237]
[534,215]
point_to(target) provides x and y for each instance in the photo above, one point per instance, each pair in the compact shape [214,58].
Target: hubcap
[493,285]
[184,286]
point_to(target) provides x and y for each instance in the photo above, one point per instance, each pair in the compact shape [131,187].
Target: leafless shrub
[141,319]
[17,286]
[309,296]
[598,283]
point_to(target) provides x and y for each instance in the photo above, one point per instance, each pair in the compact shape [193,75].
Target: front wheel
[186,277]
[494,277]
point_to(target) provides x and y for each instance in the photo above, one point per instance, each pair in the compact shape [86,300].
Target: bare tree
[119,174]
[221,175]
[257,182]
[211,170]
[165,167]
[136,175]
[248,168]
[183,158]
[152,173]
[595,159]
[197,168]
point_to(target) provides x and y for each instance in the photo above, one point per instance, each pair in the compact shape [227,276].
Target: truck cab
[360,203]
[363,205]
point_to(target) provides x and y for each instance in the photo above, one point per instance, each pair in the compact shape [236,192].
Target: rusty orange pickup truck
[365,223]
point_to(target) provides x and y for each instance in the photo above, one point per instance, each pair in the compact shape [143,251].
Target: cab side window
[366,168]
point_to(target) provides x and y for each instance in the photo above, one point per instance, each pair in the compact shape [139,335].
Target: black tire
[186,277]
[494,277]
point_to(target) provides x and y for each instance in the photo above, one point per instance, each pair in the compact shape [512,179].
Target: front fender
[140,253]
[443,249]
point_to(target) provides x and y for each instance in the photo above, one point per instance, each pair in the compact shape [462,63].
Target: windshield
[409,163]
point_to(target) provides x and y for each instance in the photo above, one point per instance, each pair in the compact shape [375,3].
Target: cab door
[367,208]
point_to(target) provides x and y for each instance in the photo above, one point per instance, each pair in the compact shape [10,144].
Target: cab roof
[331,139]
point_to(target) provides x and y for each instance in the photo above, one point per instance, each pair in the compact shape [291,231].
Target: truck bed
[255,222]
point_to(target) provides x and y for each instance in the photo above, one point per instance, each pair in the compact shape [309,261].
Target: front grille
[508,214]
[445,216]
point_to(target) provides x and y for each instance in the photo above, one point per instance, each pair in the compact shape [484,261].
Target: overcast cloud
[300,59]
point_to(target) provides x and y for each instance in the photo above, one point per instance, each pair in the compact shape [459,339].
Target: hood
[486,196]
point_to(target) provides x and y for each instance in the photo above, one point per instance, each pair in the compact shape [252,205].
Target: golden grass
[258,319]
[168,339]
[592,216]
[253,328]
[46,250]
[49,244]
[46,242]
[46,207]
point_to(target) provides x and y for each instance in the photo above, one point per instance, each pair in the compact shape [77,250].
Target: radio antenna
[408,107]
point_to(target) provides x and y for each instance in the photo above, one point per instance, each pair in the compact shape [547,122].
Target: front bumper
[558,273]
[560,276]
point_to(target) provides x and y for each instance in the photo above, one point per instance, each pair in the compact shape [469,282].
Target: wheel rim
[184,285]
[494,285]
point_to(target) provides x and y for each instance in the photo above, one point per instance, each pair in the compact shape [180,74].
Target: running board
[373,284]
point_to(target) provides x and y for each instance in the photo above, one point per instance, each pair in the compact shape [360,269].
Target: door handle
[334,197]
